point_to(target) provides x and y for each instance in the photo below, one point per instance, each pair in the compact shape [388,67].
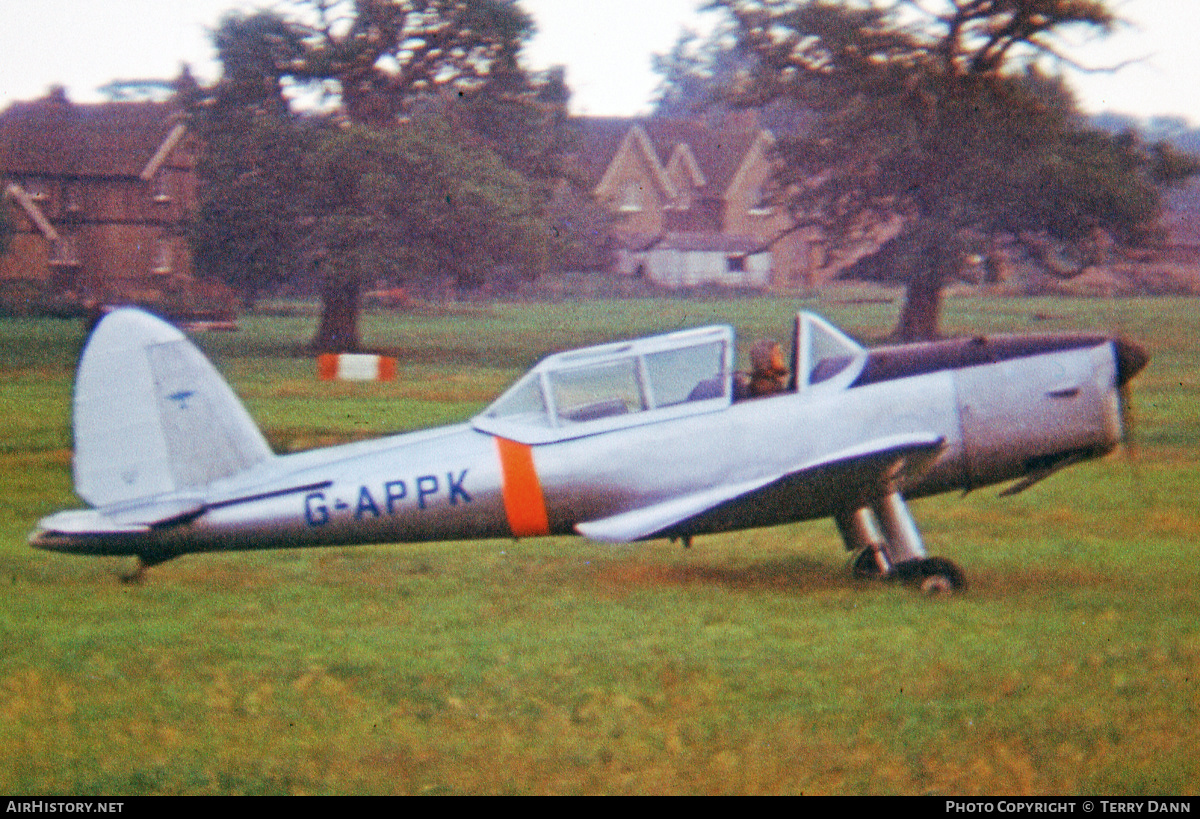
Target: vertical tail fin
[153,417]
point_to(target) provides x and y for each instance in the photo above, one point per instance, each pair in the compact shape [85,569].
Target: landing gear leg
[910,562]
[860,532]
[888,544]
[899,530]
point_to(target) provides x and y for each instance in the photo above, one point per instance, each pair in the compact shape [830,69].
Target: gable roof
[637,143]
[684,161]
[712,156]
[719,153]
[55,137]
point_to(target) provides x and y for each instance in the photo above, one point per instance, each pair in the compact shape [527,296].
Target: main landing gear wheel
[933,575]
[886,545]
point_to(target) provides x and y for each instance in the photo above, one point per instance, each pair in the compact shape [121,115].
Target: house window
[71,198]
[162,188]
[163,256]
[631,198]
[760,201]
[684,200]
[735,263]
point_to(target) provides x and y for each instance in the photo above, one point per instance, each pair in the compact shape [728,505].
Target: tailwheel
[138,575]
[144,561]
[933,575]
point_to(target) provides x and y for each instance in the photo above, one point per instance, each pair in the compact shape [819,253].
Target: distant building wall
[99,195]
[671,267]
[683,193]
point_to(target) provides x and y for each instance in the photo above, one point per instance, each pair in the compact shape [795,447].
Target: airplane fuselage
[999,409]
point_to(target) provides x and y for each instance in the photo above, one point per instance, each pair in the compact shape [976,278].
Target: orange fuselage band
[524,503]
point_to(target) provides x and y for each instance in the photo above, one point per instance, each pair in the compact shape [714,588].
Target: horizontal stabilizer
[127,519]
[848,478]
[88,522]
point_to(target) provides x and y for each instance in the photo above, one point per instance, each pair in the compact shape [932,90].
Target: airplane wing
[849,478]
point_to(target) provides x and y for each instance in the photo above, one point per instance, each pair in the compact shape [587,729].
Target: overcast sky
[605,44]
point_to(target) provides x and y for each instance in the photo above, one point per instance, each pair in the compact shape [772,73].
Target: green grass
[748,664]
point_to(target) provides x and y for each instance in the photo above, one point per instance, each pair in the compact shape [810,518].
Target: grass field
[751,663]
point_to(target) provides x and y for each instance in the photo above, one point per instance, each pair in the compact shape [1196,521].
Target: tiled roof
[690,242]
[718,152]
[55,137]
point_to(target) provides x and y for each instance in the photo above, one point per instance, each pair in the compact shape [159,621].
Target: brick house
[99,195]
[689,203]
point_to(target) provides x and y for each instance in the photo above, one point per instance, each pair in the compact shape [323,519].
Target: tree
[248,228]
[691,72]
[251,199]
[377,57]
[420,202]
[385,65]
[937,113]
[697,71]
[6,226]
[525,119]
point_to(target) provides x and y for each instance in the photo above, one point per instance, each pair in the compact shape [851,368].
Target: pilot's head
[766,358]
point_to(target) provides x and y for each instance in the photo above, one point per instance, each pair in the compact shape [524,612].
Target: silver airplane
[622,442]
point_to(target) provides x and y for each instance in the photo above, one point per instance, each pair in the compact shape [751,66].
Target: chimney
[57,95]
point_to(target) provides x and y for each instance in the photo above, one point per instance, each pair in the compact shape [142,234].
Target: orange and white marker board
[355,367]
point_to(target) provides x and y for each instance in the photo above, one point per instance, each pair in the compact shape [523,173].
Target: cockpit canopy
[614,386]
[823,354]
[611,386]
